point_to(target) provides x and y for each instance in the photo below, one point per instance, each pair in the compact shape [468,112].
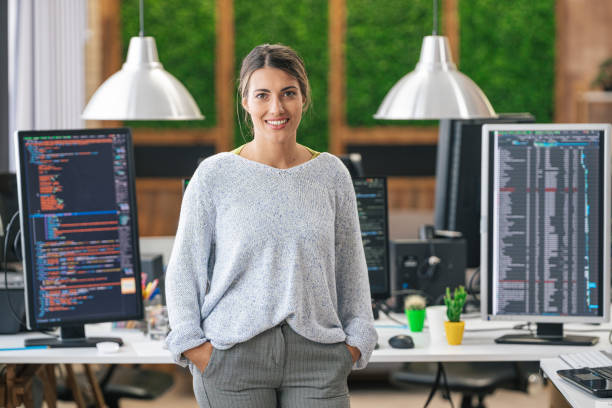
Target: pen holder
[156,317]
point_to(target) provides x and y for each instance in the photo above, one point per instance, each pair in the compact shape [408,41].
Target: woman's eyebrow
[284,89]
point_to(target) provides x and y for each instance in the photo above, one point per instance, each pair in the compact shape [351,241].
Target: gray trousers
[277,368]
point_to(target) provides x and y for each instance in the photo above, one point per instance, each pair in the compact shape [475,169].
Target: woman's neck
[278,155]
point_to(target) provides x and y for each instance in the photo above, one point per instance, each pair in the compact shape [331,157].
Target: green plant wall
[185,35]
[508,49]
[301,25]
[382,45]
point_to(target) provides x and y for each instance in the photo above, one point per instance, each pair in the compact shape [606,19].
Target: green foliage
[383,43]
[185,35]
[604,77]
[454,304]
[302,25]
[507,48]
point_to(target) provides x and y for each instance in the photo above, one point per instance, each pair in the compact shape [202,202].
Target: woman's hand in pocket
[355,353]
[200,355]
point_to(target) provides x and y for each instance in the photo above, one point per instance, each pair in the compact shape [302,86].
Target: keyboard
[605,372]
[597,381]
[587,359]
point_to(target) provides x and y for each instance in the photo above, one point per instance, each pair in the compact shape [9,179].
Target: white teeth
[277,122]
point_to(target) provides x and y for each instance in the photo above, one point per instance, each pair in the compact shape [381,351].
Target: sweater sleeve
[352,282]
[187,272]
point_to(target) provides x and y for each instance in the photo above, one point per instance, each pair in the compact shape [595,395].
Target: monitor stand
[71,336]
[548,334]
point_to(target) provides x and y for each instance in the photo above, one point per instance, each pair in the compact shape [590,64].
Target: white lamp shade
[435,89]
[142,90]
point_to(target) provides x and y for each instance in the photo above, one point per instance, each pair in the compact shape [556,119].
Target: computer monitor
[371,193]
[79,231]
[457,202]
[545,254]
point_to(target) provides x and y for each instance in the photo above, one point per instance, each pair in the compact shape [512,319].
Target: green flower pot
[416,318]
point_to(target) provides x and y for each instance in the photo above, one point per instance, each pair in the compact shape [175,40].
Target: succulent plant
[454,303]
[414,302]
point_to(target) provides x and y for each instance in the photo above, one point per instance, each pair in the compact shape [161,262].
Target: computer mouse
[401,341]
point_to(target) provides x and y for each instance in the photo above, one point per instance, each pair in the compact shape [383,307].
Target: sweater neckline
[276,169]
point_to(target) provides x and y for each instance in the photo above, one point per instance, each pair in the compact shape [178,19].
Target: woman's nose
[277,105]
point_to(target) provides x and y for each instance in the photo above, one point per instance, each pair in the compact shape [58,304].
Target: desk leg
[556,399]
[95,386]
[74,386]
[10,386]
[47,374]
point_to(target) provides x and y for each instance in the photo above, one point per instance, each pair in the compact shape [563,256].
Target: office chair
[123,381]
[472,379]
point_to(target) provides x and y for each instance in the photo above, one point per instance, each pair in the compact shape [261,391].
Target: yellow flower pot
[454,332]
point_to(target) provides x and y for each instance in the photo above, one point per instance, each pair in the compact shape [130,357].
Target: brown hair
[274,56]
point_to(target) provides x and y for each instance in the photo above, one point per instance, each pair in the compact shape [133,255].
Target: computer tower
[426,267]
[9,323]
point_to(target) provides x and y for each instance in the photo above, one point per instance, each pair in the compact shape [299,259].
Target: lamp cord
[435,18]
[141,16]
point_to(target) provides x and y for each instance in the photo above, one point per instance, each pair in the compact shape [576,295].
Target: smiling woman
[275,91]
[269,240]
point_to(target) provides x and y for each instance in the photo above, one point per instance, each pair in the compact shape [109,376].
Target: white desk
[574,395]
[476,346]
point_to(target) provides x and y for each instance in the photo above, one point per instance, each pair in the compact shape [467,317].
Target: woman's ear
[245,104]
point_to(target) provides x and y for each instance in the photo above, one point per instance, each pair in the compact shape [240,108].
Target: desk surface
[574,395]
[477,346]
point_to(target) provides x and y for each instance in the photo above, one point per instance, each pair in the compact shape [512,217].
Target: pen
[153,285]
[145,294]
[154,293]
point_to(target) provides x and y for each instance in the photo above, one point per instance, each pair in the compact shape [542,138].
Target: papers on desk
[148,348]
[603,404]
[590,359]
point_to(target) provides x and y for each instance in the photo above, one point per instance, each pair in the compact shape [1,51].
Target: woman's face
[274,102]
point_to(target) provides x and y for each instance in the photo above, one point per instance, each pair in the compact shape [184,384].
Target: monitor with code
[371,193]
[546,226]
[79,229]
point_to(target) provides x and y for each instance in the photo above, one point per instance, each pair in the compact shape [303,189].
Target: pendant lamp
[142,89]
[435,89]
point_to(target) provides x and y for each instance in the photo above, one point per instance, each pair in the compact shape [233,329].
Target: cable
[5,267]
[383,307]
[470,286]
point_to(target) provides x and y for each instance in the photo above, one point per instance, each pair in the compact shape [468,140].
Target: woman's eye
[261,96]
[290,93]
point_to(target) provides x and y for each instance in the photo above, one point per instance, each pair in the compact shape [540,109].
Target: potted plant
[604,77]
[414,307]
[454,305]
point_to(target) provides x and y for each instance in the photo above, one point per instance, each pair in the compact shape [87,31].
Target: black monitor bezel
[26,244]
[487,220]
[387,292]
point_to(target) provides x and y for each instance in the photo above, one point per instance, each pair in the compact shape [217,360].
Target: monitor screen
[545,253]
[79,227]
[371,193]
[457,205]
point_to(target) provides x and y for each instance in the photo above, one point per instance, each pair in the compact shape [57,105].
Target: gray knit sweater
[257,246]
